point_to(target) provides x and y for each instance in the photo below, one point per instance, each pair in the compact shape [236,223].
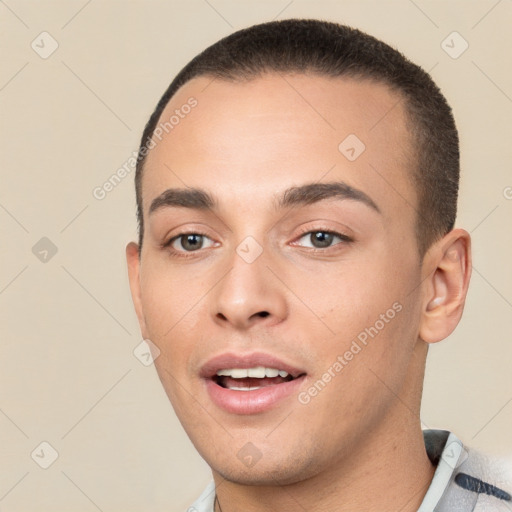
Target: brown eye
[322,239]
[189,242]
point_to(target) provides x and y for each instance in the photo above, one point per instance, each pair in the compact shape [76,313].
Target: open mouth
[250,383]
[251,379]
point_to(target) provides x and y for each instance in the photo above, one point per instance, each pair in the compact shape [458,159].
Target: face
[283,298]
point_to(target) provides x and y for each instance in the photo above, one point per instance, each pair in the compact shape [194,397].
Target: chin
[274,471]
[263,477]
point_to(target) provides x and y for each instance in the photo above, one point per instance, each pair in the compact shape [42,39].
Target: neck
[390,471]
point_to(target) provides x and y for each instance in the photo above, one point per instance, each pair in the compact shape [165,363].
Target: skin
[357,445]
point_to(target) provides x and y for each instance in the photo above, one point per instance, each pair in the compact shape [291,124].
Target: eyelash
[344,238]
[181,254]
[187,254]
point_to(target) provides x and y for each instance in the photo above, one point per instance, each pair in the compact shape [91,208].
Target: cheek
[173,305]
[372,318]
[371,362]
[170,298]
[358,377]
[348,295]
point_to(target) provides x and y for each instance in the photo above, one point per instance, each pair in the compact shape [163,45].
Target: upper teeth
[258,372]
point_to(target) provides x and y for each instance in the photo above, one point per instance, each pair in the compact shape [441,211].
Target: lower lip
[251,402]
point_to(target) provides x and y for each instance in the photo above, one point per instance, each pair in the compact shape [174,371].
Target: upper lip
[230,360]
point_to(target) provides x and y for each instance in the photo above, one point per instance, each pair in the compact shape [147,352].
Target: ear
[133,261]
[448,268]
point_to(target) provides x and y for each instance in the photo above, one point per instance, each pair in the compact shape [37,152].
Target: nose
[249,294]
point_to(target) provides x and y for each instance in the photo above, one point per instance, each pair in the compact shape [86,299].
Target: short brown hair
[333,50]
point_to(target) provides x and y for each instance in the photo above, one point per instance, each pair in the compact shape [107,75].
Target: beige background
[68,375]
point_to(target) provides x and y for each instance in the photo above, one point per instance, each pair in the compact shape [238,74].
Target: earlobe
[133,262]
[446,286]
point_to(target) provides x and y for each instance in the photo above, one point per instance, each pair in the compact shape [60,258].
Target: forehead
[250,138]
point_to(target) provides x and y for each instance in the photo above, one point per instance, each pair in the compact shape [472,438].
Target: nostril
[227,318]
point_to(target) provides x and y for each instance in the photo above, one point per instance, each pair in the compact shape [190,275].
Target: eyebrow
[301,195]
[304,195]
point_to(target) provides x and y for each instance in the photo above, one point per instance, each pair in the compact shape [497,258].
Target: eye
[189,242]
[323,239]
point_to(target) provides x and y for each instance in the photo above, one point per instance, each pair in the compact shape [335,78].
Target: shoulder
[467,480]
[484,481]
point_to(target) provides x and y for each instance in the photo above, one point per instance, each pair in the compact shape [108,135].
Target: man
[296,190]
